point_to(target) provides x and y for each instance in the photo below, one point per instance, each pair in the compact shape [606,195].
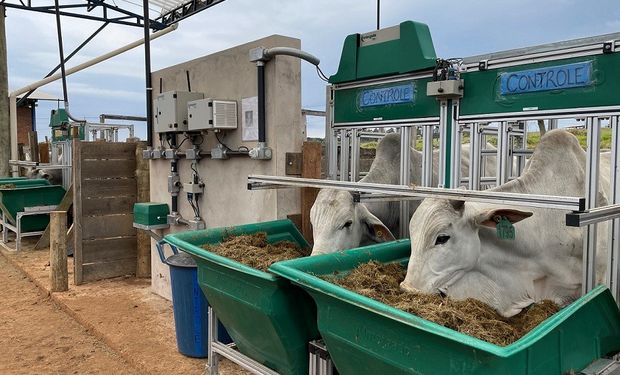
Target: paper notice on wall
[249,119]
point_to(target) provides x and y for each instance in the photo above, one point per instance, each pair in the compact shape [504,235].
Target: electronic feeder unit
[171,110]
[212,114]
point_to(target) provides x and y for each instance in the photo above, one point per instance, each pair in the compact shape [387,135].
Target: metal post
[474,156]
[613,261]
[503,150]
[427,156]
[355,155]
[147,73]
[553,124]
[331,136]
[443,143]
[5,130]
[344,155]
[214,358]
[455,141]
[405,177]
[589,241]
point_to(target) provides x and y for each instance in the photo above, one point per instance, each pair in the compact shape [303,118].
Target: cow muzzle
[408,288]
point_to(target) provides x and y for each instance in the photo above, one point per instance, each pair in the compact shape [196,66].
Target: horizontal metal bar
[312,112]
[364,197]
[426,121]
[241,359]
[592,216]
[543,115]
[491,197]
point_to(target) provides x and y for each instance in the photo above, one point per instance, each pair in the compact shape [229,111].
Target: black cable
[183,141]
[321,74]
[222,143]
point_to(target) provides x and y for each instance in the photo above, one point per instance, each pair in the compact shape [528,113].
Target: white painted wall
[230,75]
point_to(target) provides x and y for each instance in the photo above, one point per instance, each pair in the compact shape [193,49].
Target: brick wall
[24,124]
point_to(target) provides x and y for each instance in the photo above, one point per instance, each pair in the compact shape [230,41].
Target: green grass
[533,138]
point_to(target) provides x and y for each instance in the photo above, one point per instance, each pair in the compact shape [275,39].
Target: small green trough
[14,200]
[269,319]
[364,336]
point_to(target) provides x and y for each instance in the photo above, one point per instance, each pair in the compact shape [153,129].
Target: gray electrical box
[450,89]
[171,110]
[210,113]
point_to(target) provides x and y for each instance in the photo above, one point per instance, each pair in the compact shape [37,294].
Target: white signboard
[249,119]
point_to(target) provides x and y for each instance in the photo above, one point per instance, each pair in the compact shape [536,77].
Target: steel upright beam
[344,155]
[613,260]
[475,156]
[355,155]
[427,155]
[503,149]
[592,173]
[5,129]
[444,144]
[405,177]
[455,152]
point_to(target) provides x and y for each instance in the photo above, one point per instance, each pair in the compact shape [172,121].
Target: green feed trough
[364,336]
[269,319]
[17,199]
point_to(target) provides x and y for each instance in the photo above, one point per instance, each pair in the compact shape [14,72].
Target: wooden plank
[108,168]
[77,213]
[64,205]
[107,226]
[107,206]
[311,168]
[108,150]
[109,187]
[143,246]
[107,250]
[33,143]
[59,276]
[98,271]
[44,152]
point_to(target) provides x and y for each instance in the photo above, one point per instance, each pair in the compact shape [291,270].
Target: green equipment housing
[61,126]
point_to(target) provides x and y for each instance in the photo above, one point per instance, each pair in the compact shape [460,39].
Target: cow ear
[490,218]
[375,228]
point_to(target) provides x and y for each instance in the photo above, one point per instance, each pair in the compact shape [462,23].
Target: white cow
[338,223]
[455,250]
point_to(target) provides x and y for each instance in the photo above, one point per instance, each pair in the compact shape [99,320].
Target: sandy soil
[122,314]
[36,337]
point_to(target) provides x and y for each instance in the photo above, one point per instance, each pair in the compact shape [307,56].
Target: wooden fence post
[59,277]
[310,168]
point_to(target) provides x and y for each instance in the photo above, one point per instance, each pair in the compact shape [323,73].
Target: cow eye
[347,224]
[442,239]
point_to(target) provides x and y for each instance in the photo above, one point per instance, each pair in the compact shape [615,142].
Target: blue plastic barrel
[190,306]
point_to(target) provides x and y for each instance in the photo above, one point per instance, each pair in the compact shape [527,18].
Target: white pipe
[92,62]
[13,95]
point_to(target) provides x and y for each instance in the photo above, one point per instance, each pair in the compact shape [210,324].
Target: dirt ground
[37,337]
[110,326]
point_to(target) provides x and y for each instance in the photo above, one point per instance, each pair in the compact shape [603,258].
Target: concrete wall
[226,202]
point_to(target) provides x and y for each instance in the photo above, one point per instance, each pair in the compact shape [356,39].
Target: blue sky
[116,86]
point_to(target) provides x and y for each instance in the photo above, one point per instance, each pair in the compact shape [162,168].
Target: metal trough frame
[17,228]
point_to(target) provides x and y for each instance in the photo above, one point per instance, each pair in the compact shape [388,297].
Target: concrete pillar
[5,139]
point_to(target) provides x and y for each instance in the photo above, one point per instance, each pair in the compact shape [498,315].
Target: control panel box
[210,113]
[171,110]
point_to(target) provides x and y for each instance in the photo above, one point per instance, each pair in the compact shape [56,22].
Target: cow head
[446,247]
[338,223]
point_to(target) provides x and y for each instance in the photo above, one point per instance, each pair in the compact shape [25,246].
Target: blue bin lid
[181,260]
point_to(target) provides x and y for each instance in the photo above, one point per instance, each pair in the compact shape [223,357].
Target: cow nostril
[442,293]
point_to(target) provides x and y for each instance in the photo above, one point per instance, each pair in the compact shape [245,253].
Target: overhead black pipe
[61,53]
[261,101]
[147,70]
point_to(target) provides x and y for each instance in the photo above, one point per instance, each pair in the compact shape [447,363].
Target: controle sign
[549,78]
[396,94]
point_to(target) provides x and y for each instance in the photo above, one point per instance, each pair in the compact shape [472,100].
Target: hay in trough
[471,317]
[253,250]
[7,186]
